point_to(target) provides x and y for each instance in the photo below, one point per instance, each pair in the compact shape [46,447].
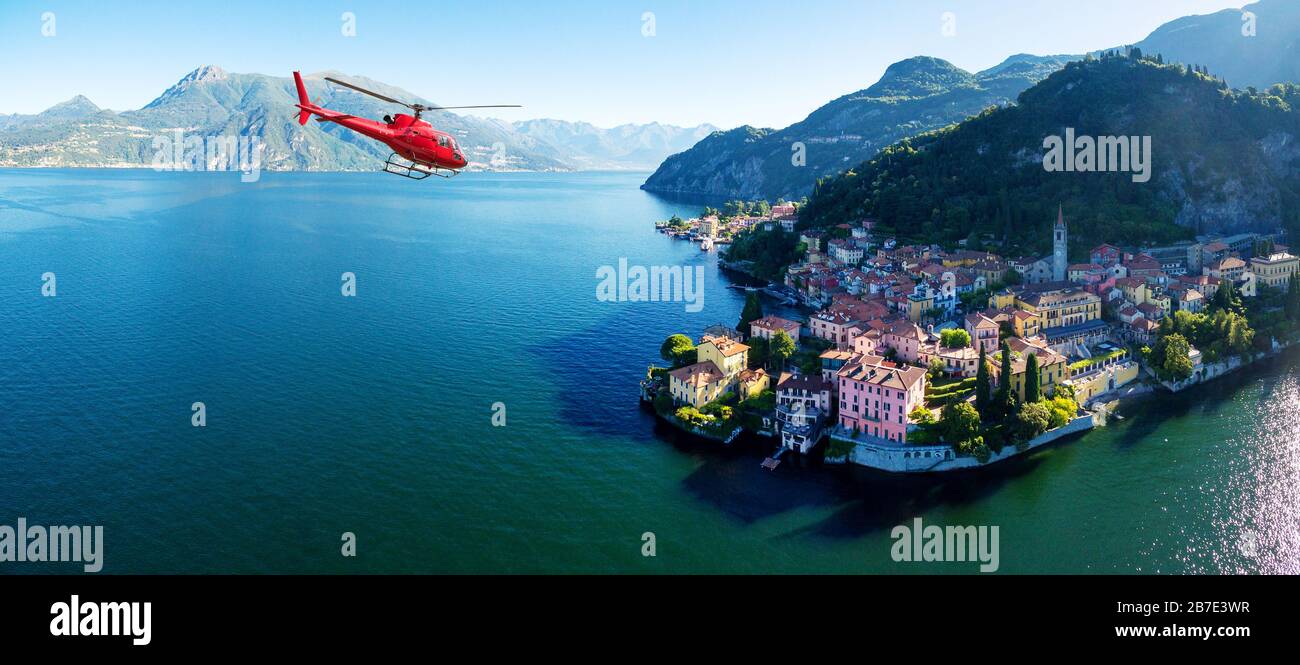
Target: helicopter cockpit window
[443,141]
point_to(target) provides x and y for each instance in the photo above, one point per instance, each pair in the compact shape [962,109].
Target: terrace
[1103,356]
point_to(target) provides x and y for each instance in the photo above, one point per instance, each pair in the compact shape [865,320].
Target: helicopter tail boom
[304,102]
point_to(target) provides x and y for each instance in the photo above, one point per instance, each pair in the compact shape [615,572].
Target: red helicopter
[419,150]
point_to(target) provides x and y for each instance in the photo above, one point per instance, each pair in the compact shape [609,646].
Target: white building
[846,252]
[802,405]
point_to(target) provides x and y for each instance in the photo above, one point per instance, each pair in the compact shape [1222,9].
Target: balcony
[796,415]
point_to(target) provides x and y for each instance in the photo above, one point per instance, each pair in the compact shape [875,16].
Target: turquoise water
[373,414]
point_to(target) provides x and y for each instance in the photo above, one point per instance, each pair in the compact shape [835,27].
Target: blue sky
[727,62]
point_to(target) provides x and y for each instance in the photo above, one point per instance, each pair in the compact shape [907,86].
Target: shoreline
[911,459]
[1096,410]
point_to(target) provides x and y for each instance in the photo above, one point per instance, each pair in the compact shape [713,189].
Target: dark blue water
[373,414]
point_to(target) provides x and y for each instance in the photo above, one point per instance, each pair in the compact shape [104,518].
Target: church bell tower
[1059,247]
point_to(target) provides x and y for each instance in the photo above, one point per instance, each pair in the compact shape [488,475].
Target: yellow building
[1229,267]
[1062,307]
[727,354]
[1275,270]
[697,384]
[918,306]
[1020,322]
[1026,324]
[1135,290]
[1053,369]
[752,382]
[1094,383]
[1002,299]
[966,258]
[1163,301]
[993,272]
[709,226]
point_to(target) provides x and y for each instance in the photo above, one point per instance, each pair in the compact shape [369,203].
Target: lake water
[373,414]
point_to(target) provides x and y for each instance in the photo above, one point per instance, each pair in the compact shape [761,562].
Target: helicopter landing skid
[407,169]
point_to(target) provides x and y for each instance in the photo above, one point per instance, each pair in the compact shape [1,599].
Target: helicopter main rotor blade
[417,107]
[490,106]
[368,92]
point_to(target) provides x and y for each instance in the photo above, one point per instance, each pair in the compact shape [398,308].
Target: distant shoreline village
[921,359]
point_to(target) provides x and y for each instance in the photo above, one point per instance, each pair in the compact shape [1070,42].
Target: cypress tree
[1293,297]
[753,311]
[1032,390]
[1003,398]
[983,391]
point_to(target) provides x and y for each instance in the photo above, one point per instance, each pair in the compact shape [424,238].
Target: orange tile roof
[699,374]
[776,323]
[726,346]
[875,370]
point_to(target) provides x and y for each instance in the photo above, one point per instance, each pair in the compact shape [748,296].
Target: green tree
[839,448]
[1226,298]
[1003,400]
[752,312]
[760,352]
[1032,420]
[954,338]
[1177,357]
[960,423]
[1032,390]
[983,390]
[677,349]
[663,403]
[1063,409]
[1292,307]
[1239,336]
[976,448]
[782,346]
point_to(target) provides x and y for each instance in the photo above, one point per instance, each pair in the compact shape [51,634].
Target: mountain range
[636,147]
[210,101]
[1256,46]
[1213,159]
[916,95]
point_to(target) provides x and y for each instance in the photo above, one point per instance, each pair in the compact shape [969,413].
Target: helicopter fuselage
[410,137]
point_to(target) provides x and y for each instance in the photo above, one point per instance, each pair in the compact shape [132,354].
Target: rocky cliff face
[1245,199]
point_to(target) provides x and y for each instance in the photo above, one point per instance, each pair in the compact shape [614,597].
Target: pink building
[783,210]
[833,326]
[835,323]
[768,326]
[869,342]
[876,397]
[905,338]
[1106,255]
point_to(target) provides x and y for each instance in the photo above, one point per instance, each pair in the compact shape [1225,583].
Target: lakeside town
[913,358]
